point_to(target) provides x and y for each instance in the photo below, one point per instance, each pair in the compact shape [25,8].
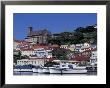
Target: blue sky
[54,22]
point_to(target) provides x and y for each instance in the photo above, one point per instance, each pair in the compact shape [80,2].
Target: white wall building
[36,62]
[64,46]
[38,53]
[93,58]
[84,47]
[41,53]
[28,52]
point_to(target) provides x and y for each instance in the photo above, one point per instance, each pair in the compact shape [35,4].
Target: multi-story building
[35,62]
[38,37]
[42,53]
[93,58]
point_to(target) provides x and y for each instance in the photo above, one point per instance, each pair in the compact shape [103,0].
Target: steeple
[30,29]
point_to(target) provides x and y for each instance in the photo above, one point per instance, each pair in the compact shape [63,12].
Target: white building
[28,52]
[84,47]
[36,62]
[93,58]
[64,46]
[41,53]
[38,53]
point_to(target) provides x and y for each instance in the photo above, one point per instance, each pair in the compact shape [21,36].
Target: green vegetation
[60,53]
[19,56]
[79,35]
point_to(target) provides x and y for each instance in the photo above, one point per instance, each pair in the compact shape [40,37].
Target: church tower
[30,29]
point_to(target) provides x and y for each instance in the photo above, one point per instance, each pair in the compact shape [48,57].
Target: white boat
[22,70]
[64,68]
[54,70]
[25,70]
[72,68]
[80,67]
[70,71]
[46,70]
[16,70]
[40,70]
[35,70]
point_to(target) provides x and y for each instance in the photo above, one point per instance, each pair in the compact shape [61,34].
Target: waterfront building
[35,62]
[38,52]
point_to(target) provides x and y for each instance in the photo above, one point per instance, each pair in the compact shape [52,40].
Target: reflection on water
[37,74]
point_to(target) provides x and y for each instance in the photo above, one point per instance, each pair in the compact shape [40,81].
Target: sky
[54,22]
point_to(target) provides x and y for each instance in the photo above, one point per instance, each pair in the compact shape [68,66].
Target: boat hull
[23,70]
[40,70]
[35,70]
[46,70]
[55,71]
[74,71]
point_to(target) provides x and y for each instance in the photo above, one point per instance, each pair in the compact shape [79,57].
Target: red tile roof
[50,59]
[21,41]
[81,58]
[54,46]
[29,49]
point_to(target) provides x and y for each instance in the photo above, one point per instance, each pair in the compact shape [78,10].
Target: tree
[60,53]
[25,57]
[17,56]
[80,29]
[79,35]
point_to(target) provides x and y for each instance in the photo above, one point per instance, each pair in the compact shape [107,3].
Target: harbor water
[39,74]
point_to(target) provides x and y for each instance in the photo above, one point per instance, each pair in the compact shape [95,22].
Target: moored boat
[74,71]
[23,68]
[73,68]
[54,70]
[40,70]
[46,70]
[66,68]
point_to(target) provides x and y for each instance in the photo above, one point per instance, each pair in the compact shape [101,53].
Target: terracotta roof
[21,41]
[42,59]
[54,46]
[81,58]
[39,46]
[29,49]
